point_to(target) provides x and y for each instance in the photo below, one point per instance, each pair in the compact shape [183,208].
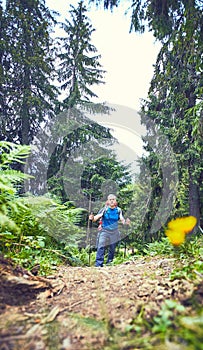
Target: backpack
[103,212]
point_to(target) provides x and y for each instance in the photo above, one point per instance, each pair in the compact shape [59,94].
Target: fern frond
[7,223]
[13,176]
[11,152]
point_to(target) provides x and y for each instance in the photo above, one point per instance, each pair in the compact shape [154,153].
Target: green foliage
[69,161]
[138,206]
[125,197]
[55,219]
[8,179]
[16,219]
[34,230]
[105,175]
[190,255]
[35,251]
[173,108]
[27,95]
[162,247]
[174,324]
[79,257]
[120,258]
[174,102]
[182,199]
[49,233]
[190,270]
[161,17]
[108,4]
[191,330]
[11,152]
[129,249]
[178,323]
[79,70]
[166,315]
[79,66]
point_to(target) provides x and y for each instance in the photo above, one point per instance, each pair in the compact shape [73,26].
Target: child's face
[112,201]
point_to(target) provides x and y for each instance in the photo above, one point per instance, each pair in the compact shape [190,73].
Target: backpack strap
[119,211]
[103,210]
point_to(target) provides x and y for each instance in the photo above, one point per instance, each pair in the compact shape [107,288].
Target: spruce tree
[28,95]
[79,67]
[79,70]
[174,105]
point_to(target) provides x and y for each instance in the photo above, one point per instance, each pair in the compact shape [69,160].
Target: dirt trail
[81,308]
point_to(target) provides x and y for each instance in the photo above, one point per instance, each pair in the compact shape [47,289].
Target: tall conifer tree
[79,70]
[174,103]
[27,93]
[79,67]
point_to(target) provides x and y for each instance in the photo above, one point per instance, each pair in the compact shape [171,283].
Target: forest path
[81,308]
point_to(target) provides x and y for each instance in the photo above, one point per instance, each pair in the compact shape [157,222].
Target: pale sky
[127,58]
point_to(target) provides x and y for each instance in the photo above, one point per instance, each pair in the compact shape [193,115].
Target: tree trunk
[194,197]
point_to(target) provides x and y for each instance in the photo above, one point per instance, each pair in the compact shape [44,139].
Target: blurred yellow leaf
[175,237]
[184,224]
[178,228]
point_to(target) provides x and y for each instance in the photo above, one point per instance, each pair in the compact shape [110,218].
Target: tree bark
[194,198]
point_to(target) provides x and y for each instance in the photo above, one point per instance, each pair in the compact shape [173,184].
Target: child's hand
[127,221]
[91,217]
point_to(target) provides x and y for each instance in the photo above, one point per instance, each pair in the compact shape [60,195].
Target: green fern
[56,219]
[9,153]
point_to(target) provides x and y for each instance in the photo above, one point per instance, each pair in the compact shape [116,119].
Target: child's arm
[127,221]
[95,217]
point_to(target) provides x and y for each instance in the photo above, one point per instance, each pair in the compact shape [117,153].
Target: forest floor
[82,308]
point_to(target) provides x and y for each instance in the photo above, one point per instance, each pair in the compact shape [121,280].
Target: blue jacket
[110,218]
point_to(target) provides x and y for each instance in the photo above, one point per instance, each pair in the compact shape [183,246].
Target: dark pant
[105,239]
